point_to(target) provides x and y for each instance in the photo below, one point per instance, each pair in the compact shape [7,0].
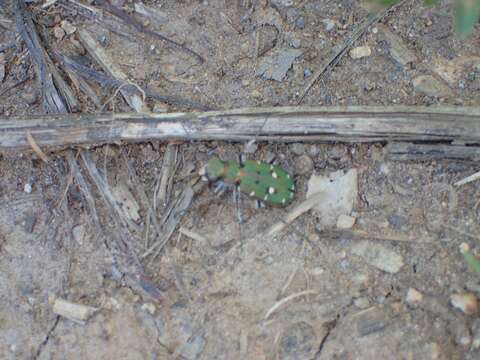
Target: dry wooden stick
[52,101]
[427,152]
[346,124]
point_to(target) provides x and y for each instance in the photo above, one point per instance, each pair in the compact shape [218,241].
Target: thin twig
[168,171]
[295,213]
[468,179]
[279,303]
[109,66]
[5,47]
[13,86]
[339,52]
[36,148]
[140,27]
[289,281]
[112,82]
[380,237]
[115,211]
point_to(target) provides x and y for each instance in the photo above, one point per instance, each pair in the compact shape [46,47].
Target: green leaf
[466,16]
[472,261]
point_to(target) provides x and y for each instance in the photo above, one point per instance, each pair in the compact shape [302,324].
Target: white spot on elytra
[252,193]
[271,190]
[274,175]
[259,162]
[265,198]
[288,176]
[283,201]
[271,167]
[293,187]
[291,194]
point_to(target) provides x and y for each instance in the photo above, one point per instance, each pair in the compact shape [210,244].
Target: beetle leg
[241,159]
[237,198]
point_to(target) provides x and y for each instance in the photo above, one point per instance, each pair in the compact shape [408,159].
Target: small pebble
[160,108]
[303,165]
[317,271]
[430,86]
[371,321]
[360,52]
[149,307]
[329,24]
[297,148]
[29,96]
[68,27]
[78,233]
[379,255]
[295,42]
[29,222]
[27,188]
[102,39]
[59,33]
[300,23]
[307,73]
[345,222]
[362,302]
[462,334]
[466,302]
[397,220]
[413,296]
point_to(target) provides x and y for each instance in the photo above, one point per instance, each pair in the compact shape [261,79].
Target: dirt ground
[393,286]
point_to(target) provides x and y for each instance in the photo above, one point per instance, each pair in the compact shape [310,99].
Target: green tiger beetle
[259,180]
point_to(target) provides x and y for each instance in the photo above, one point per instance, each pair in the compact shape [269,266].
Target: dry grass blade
[133,273]
[115,212]
[141,28]
[279,303]
[168,171]
[468,179]
[85,190]
[176,213]
[109,66]
[338,53]
[295,213]
[36,148]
